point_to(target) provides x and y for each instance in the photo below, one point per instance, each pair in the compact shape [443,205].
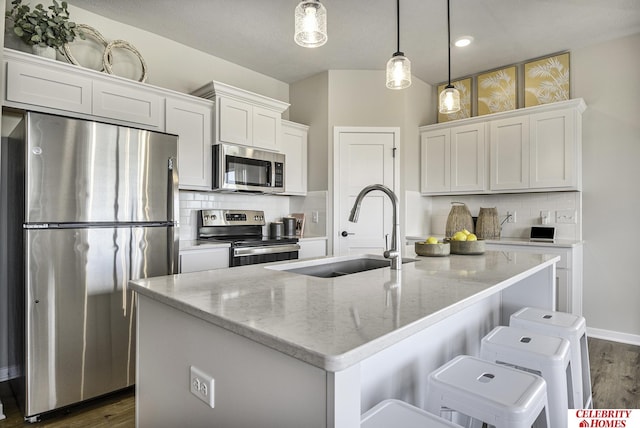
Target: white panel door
[365,156]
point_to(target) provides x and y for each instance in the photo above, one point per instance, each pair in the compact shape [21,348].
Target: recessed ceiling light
[463,41]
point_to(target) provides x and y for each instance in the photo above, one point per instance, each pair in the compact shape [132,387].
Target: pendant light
[450,96]
[310,24]
[399,66]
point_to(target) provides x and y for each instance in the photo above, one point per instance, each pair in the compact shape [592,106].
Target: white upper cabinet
[244,117]
[509,141]
[533,149]
[40,84]
[555,151]
[31,84]
[191,119]
[294,146]
[540,151]
[453,159]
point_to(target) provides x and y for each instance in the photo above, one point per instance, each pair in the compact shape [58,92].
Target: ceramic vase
[46,52]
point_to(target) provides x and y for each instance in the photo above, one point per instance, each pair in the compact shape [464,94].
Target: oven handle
[268,249]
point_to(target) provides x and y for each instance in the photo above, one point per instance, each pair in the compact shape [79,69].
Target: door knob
[345,233]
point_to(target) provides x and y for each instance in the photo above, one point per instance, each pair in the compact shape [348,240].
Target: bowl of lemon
[466,243]
[432,248]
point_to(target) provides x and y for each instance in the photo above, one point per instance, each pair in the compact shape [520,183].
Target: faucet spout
[394,252]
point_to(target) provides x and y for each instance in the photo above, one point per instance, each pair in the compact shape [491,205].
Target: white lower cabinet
[204,259]
[312,248]
[568,272]
[192,120]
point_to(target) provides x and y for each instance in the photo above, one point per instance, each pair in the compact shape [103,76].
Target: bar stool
[487,392]
[547,356]
[389,413]
[570,327]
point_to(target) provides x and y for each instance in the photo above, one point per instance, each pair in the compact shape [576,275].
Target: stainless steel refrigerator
[87,206]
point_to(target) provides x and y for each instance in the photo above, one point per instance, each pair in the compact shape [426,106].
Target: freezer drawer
[80,329]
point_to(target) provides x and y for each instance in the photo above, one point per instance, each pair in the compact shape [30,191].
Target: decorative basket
[459,219]
[488,224]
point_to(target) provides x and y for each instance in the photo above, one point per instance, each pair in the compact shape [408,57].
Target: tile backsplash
[274,206]
[527,207]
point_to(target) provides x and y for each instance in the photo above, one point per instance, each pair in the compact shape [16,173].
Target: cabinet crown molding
[576,103]
[214,89]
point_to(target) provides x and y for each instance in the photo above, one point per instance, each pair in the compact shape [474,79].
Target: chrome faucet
[394,252]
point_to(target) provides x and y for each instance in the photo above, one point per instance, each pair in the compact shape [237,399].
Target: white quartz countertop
[333,323]
[186,245]
[558,243]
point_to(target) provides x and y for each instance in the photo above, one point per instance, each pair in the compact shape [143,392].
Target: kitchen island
[291,350]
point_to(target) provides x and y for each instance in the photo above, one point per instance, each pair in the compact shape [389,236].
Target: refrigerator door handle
[173,213]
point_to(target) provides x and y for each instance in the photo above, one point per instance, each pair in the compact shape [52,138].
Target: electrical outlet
[566,216]
[202,385]
[544,217]
[511,217]
[314,216]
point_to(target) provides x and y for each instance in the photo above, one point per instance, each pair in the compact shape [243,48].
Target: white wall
[606,76]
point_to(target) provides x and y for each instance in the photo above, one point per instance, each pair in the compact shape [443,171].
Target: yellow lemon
[431,240]
[459,236]
[466,232]
[472,237]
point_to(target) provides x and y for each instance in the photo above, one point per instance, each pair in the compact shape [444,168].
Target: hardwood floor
[115,411]
[615,374]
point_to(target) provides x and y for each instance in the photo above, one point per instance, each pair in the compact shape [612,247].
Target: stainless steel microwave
[245,169]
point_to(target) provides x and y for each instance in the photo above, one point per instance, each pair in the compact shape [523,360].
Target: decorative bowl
[441,249]
[467,247]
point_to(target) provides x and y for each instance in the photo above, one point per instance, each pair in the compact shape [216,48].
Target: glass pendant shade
[398,72]
[449,100]
[310,24]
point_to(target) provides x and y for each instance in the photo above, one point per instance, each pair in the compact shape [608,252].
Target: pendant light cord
[448,39]
[398,24]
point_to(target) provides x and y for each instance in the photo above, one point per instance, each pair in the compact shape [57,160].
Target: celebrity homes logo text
[604,418]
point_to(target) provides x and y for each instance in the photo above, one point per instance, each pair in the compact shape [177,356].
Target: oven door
[238,168]
[243,256]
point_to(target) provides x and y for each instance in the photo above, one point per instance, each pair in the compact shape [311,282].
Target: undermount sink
[336,266]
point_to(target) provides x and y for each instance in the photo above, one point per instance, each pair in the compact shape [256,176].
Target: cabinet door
[37,85]
[266,129]
[235,124]
[123,102]
[309,249]
[554,154]
[199,260]
[294,146]
[192,122]
[435,162]
[509,153]
[468,158]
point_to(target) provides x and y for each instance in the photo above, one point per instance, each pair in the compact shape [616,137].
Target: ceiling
[258,34]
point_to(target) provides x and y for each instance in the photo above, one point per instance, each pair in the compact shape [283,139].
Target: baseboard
[615,336]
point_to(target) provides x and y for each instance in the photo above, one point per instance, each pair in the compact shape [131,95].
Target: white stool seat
[396,413]
[498,395]
[572,328]
[548,356]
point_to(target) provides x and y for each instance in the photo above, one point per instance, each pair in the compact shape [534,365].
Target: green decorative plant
[43,27]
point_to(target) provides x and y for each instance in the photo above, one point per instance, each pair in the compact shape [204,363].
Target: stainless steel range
[243,230]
